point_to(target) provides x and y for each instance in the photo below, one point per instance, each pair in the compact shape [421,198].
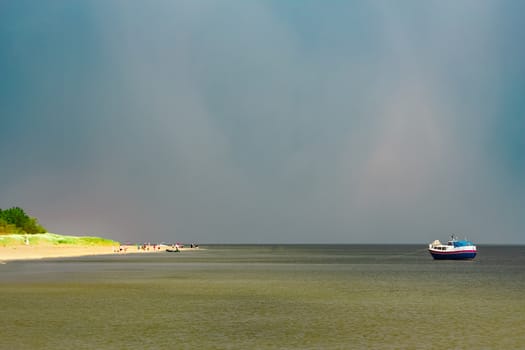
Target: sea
[267,297]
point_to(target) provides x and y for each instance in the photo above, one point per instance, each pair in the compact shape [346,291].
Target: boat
[173,250]
[454,249]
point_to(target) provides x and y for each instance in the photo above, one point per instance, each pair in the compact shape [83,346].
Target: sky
[265,121]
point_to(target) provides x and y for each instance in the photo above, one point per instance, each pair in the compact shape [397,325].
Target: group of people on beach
[151,247]
[148,246]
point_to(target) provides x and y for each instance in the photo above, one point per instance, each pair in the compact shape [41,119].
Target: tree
[14,220]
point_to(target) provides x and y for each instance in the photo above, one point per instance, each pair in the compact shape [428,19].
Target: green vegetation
[16,227]
[15,220]
[54,239]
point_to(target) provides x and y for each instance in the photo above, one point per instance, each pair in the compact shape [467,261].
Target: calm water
[267,297]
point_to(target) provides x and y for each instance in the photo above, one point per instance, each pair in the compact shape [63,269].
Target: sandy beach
[29,252]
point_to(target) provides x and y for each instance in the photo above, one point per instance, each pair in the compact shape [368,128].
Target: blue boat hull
[453,255]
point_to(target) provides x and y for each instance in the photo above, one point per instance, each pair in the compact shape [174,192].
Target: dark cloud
[254,122]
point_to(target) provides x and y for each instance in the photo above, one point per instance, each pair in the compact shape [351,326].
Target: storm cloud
[265,121]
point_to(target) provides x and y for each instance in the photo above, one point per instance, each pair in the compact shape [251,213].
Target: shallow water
[267,297]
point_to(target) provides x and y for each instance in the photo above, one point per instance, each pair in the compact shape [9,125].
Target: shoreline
[38,252]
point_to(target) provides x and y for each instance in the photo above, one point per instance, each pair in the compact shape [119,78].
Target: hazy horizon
[265,121]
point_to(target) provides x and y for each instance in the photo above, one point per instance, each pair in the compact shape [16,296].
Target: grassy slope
[54,239]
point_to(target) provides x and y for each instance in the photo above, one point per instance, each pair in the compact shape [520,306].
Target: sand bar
[29,252]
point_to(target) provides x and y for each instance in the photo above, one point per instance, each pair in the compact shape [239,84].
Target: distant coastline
[50,245]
